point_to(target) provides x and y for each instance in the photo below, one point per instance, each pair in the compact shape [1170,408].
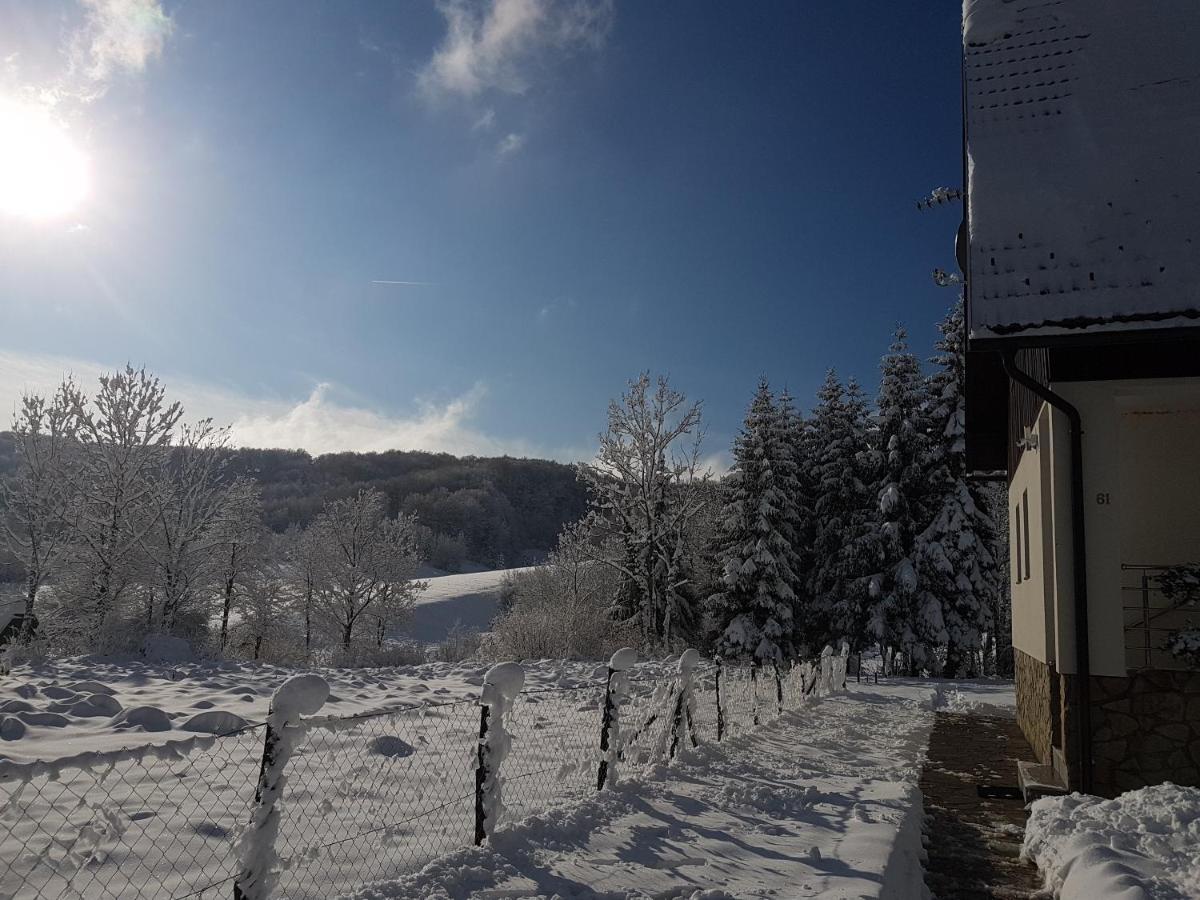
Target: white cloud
[715,465]
[121,35]
[104,38]
[493,45]
[510,144]
[486,121]
[318,423]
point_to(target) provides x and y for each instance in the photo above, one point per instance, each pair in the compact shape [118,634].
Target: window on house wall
[1025,527]
[1017,542]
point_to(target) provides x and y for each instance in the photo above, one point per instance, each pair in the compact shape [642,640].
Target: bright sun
[43,175]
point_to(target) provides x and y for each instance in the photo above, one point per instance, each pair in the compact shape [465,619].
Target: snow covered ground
[1143,845]
[819,803]
[468,600]
[157,815]
[56,709]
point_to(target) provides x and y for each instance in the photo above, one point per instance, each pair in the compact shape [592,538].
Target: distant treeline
[492,511]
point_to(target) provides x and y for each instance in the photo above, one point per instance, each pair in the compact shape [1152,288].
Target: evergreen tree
[959,577]
[837,605]
[757,538]
[898,619]
[797,437]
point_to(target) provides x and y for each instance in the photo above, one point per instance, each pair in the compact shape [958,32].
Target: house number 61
[1103,498]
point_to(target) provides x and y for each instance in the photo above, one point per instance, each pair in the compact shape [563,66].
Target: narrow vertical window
[1025,527]
[1017,542]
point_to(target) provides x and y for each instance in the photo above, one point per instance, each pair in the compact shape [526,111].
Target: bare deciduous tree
[363,565]
[194,511]
[241,545]
[37,501]
[123,433]
[642,498]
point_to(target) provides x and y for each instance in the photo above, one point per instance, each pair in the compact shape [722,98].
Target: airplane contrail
[413,283]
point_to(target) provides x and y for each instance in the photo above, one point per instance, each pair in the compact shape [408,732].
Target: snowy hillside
[467,600]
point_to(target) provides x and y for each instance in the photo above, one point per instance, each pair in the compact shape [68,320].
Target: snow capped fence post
[610,727]
[826,678]
[720,711]
[501,685]
[683,703]
[300,695]
[840,663]
[754,689]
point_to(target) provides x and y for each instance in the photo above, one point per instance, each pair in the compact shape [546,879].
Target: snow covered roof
[1083,142]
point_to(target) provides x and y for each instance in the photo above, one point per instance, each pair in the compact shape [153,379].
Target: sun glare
[43,175]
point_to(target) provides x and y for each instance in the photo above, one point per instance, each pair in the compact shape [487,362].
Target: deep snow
[838,776]
[821,802]
[1143,845]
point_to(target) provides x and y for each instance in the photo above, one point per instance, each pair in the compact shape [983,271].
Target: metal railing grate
[1151,617]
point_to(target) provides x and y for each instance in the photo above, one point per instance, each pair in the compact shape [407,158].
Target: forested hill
[488,510]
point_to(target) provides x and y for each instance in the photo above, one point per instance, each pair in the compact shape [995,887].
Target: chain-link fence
[362,798]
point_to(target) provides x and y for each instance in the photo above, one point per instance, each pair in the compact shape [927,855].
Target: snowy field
[366,798]
[380,796]
[469,601]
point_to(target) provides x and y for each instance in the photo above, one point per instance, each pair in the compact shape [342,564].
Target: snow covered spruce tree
[959,577]
[797,436]
[643,497]
[757,538]
[899,620]
[841,561]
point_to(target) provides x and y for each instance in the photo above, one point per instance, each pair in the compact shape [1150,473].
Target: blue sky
[579,190]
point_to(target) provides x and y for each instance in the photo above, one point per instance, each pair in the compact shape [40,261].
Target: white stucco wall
[1141,487]
[1032,597]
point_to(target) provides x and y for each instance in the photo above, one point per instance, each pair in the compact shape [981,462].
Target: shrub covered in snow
[559,610]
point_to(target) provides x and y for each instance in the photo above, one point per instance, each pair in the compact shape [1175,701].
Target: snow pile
[977,698]
[1141,846]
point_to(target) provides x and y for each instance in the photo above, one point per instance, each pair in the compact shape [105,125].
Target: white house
[1081,254]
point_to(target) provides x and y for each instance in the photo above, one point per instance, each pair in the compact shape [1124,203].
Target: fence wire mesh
[555,750]
[366,798]
[372,797]
[159,822]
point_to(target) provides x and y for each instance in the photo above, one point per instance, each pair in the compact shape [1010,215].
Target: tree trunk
[30,599]
[225,609]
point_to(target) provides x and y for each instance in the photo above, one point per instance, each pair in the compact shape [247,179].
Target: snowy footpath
[822,802]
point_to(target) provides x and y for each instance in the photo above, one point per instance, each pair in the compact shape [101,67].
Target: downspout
[1079,554]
